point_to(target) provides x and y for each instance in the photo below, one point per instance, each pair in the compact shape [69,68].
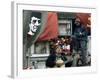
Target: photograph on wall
[56,39]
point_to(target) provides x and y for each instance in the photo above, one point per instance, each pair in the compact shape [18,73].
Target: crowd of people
[62,45]
[60,48]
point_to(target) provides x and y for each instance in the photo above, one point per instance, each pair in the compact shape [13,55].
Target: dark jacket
[80,29]
[50,62]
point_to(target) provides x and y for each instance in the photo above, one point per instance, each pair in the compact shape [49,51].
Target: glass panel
[68,29]
[62,29]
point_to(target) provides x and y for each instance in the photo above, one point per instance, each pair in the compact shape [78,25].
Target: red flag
[85,18]
[51,29]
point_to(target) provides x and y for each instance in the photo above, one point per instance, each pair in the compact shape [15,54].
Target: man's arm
[76,33]
[84,32]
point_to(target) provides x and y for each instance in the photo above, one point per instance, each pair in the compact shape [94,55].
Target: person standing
[81,37]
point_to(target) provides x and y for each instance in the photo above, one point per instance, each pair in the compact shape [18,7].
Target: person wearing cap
[81,37]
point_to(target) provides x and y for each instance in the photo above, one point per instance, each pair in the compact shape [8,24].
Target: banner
[51,29]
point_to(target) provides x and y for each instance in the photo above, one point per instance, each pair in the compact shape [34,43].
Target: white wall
[5,39]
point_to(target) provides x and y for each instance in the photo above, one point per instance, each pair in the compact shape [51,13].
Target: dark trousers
[81,47]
